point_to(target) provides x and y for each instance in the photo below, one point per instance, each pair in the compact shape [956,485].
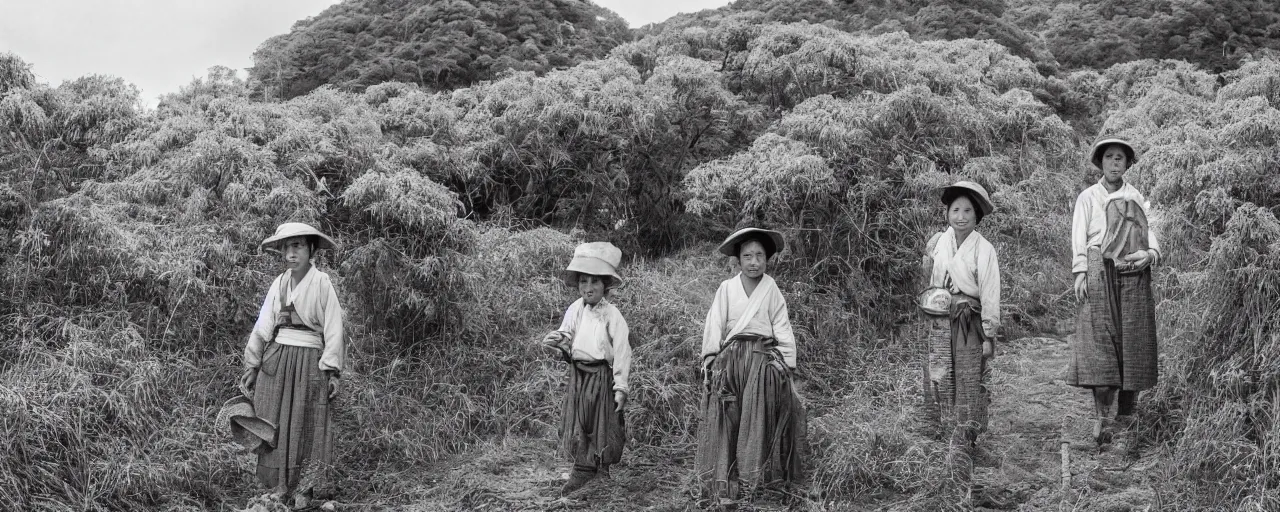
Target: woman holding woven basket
[1113,248]
[293,363]
[963,306]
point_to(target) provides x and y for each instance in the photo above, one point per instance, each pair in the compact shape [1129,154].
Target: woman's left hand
[988,350]
[1139,259]
[621,398]
[334,386]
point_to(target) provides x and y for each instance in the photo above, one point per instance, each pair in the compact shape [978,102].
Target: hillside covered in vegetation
[131,275]
[437,44]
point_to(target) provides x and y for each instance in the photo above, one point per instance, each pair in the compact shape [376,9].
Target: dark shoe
[577,479]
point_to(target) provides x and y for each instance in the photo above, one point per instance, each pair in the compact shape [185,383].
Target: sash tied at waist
[299,338]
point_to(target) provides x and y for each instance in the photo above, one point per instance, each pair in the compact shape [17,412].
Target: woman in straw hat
[964,272]
[293,363]
[1112,251]
[753,421]
[592,338]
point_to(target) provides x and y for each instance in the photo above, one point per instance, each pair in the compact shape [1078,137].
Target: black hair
[951,195]
[765,241]
[608,281]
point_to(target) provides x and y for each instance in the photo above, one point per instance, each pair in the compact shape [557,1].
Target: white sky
[160,45]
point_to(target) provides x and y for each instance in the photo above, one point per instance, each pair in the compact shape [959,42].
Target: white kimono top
[315,305]
[1089,223]
[599,333]
[974,270]
[770,319]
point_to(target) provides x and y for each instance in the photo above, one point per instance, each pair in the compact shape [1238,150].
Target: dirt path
[1019,465]
[1032,413]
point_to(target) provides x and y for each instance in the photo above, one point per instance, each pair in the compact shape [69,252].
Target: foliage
[1209,163]
[440,45]
[131,270]
[847,177]
[1214,35]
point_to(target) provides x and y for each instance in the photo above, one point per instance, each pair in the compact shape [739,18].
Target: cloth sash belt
[299,338]
[591,366]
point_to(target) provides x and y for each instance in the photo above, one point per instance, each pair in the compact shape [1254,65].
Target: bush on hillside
[439,45]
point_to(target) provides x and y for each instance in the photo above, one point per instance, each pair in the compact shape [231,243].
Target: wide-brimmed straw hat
[729,247]
[971,189]
[247,429]
[292,229]
[595,258]
[1101,146]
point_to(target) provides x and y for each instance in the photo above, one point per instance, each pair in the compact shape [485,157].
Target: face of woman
[591,287]
[296,253]
[960,215]
[753,259]
[1114,163]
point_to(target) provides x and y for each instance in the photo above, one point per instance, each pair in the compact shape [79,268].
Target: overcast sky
[160,45]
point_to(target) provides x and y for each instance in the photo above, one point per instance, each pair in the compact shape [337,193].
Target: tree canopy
[438,44]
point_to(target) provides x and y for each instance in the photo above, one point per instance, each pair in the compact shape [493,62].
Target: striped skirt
[753,423]
[1115,342]
[956,395]
[292,392]
[592,431]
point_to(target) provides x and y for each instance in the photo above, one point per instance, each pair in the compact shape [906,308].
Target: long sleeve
[713,330]
[782,331]
[1080,234]
[1152,243]
[989,289]
[569,325]
[262,329]
[619,335]
[334,353]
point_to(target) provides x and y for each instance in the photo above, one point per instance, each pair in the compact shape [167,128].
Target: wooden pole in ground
[1066,467]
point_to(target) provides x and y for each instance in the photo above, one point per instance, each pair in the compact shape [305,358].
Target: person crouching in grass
[293,362]
[593,340]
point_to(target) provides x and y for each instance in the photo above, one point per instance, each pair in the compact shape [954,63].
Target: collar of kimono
[766,287]
[599,308]
[302,286]
[1126,191]
[944,259]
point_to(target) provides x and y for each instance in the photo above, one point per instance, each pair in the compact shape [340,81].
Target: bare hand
[1139,260]
[988,350]
[621,398]
[552,339]
[706,371]
[1082,286]
[248,380]
[334,386]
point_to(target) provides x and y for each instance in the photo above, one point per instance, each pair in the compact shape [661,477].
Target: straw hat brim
[247,429]
[729,247]
[974,191]
[325,241]
[1100,146]
[592,266]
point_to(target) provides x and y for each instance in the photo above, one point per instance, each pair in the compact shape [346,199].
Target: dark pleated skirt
[292,392]
[753,422]
[592,432]
[1115,343]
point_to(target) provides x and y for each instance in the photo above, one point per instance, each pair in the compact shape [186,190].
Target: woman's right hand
[248,380]
[1082,286]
